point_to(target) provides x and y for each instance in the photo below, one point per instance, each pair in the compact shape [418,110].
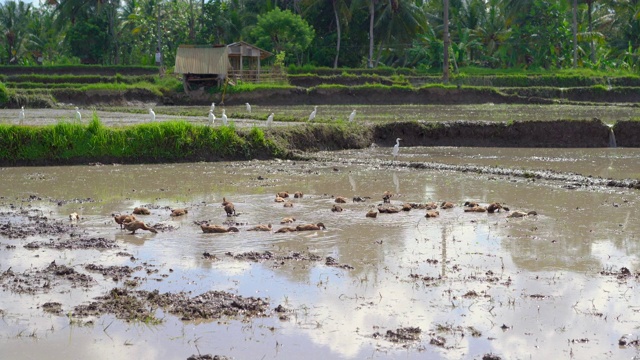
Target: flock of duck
[129,222]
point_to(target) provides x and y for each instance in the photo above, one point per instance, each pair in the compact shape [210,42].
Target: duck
[520,213]
[261,227]
[74,216]
[141,211]
[230,209]
[279,199]
[124,218]
[476,209]
[225,202]
[372,214]
[283,194]
[179,212]
[286,229]
[388,209]
[431,206]
[298,195]
[306,227]
[386,197]
[287,220]
[471,204]
[406,207]
[341,200]
[494,207]
[217,229]
[138,225]
[447,205]
[337,208]
[432,214]
[288,204]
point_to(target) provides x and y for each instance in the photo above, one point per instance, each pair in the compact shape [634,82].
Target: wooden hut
[245,60]
[202,65]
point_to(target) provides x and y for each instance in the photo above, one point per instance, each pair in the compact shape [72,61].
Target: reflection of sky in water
[557,255]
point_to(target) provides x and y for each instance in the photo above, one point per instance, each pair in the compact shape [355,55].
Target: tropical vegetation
[495,34]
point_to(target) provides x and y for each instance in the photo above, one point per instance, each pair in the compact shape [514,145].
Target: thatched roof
[202,59]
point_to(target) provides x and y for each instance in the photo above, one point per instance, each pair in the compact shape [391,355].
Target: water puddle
[461,285]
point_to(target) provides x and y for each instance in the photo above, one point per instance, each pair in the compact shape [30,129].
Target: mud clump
[43,281]
[208,357]
[329,261]
[52,307]
[122,303]
[405,334]
[38,227]
[268,255]
[114,272]
[73,244]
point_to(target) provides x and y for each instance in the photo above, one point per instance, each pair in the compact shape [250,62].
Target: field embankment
[178,141]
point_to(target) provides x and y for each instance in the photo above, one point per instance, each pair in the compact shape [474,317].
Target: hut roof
[202,59]
[248,50]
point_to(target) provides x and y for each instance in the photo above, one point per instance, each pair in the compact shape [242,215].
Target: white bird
[152,115]
[224,117]
[248,108]
[21,115]
[352,116]
[212,117]
[313,113]
[78,115]
[270,120]
[396,148]
[213,106]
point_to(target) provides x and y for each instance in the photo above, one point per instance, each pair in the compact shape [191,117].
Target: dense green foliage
[168,141]
[535,34]
[4,96]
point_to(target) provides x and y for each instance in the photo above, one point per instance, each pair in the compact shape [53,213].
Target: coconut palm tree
[14,20]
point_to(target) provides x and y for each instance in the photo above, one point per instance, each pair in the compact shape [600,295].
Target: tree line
[536,34]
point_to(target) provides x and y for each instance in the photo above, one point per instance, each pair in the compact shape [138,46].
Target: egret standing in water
[396,148]
[21,115]
[224,117]
[212,117]
[352,116]
[78,115]
[248,107]
[270,120]
[213,106]
[312,116]
[152,115]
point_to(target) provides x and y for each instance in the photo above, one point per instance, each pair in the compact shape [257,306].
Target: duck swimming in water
[494,207]
[135,225]
[372,214]
[124,218]
[308,227]
[341,200]
[141,211]
[283,194]
[217,229]
[476,209]
[337,208]
[261,228]
[74,216]
[447,205]
[286,229]
[287,220]
[179,212]
[432,214]
[288,204]
[298,195]
[279,199]
[431,206]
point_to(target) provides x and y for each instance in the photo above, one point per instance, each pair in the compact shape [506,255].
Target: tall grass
[166,141]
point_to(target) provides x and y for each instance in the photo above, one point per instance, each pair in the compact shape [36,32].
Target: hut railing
[255,76]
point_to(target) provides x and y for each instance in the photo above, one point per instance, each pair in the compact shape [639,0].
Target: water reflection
[407,270]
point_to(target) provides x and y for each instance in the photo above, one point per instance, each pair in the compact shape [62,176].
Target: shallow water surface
[544,286]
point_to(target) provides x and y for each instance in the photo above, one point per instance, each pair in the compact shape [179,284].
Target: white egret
[352,116]
[224,117]
[21,115]
[248,108]
[396,148]
[312,116]
[212,117]
[152,115]
[270,120]
[78,115]
[213,106]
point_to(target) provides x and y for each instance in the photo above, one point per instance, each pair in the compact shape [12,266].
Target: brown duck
[124,218]
[341,200]
[432,214]
[406,207]
[431,206]
[447,205]
[282,194]
[494,207]
[476,209]
[261,227]
[298,195]
[279,199]
[137,225]
[372,214]
[386,197]
[225,202]
[216,229]
[287,220]
[179,212]
[471,204]
[337,208]
[230,209]
[141,211]
[388,209]
[305,227]
[74,216]
[288,204]
[286,229]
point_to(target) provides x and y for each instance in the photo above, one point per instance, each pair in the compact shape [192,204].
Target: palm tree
[14,18]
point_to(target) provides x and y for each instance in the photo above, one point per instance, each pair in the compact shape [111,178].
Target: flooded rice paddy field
[562,284]
[137,112]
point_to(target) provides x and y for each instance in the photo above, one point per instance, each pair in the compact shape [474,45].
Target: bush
[4,96]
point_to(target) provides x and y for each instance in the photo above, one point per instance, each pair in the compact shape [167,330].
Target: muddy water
[475,283]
